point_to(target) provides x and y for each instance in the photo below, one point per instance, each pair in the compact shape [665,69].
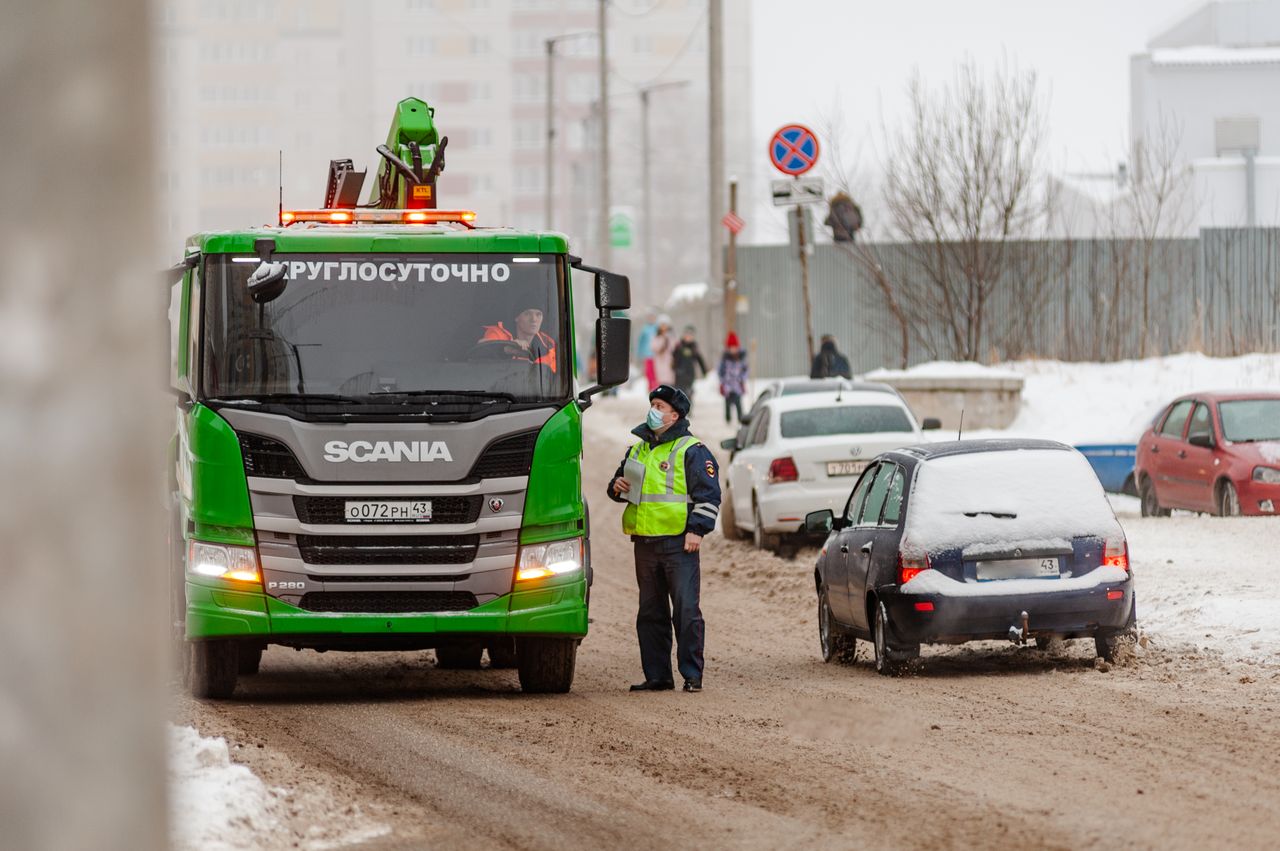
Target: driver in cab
[528,341]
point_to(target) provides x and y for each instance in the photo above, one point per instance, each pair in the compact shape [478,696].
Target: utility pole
[647,187]
[804,279]
[605,246]
[549,200]
[730,289]
[715,120]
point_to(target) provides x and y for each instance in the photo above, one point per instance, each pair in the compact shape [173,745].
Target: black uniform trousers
[670,581]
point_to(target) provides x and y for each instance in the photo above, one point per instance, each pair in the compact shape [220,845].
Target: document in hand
[633,472]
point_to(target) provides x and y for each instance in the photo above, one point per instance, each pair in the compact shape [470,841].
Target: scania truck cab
[378,440]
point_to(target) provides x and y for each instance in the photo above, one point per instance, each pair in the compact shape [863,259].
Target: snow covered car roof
[834,399]
[985,495]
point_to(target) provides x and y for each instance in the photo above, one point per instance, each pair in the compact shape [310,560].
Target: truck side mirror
[613,351]
[268,281]
[613,291]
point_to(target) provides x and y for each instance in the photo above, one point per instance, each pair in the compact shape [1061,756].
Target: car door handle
[844,548]
[866,548]
[1155,449]
[1182,453]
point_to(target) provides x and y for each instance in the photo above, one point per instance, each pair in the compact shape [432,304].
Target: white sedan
[803,453]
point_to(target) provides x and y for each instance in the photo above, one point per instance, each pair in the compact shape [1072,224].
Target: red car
[1212,452]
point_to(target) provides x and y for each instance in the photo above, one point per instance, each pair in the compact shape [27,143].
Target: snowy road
[983,745]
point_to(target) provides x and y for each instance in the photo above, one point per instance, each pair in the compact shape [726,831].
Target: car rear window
[993,499]
[820,386]
[850,419]
[1249,419]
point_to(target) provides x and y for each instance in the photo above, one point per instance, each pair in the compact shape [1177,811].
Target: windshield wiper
[290,397]
[1000,514]
[476,394]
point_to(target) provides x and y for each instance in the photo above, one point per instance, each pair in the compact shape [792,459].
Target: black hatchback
[969,540]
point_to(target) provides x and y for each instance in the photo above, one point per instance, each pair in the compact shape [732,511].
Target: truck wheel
[250,659]
[546,664]
[728,521]
[502,653]
[459,657]
[212,668]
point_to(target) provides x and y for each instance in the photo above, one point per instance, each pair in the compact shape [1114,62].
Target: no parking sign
[793,149]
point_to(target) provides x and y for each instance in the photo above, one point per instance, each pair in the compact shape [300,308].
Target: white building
[243,80]
[1212,80]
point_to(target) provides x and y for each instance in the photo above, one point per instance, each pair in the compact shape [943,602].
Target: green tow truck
[379,440]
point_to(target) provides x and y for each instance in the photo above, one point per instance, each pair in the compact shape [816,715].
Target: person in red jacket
[534,345]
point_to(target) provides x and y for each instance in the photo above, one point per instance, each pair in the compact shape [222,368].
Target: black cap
[673,396]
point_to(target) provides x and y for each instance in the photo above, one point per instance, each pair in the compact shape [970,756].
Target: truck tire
[459,657]
[502,653]
[728,521]
[546,664]
[212,668]
[250,659]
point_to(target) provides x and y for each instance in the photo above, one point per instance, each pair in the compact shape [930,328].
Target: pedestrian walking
[670,481]
[733,377]
[829,362]
[644,347]
[686,358]
[661,347]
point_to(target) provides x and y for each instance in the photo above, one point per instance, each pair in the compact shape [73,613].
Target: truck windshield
[380,325]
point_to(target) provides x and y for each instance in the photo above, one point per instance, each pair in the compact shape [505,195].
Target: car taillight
[908,567]
[1115,553]
[783,470]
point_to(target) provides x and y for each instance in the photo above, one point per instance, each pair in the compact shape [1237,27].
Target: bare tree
[963,181]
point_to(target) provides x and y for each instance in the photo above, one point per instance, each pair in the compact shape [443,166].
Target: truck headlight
[1267,475]
[541,561]
[223,561]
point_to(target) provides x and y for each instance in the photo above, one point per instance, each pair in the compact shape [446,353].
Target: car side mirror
[746,419]
[729,443]
[1203,439]
[931,424]
[820,522]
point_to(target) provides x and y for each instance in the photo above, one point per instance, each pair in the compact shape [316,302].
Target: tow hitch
[1018,634]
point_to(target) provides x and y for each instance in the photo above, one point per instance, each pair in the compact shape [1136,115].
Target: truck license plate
[1017,568]
[401,511]
[845,468]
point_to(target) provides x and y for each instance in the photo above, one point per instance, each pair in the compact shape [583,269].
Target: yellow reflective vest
[664,495]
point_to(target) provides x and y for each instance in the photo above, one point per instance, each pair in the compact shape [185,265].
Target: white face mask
[655,419]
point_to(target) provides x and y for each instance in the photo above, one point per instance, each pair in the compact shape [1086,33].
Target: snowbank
[214,803]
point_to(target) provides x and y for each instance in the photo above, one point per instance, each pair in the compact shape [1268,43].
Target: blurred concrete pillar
[82,367]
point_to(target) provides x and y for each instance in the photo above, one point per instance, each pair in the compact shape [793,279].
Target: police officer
[678,503]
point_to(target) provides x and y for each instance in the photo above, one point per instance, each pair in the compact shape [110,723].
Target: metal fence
[1066,299]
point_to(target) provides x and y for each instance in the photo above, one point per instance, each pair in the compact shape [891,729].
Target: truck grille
[392,577]
[388,549]
[269,458]
[510,456]
[387,602]
[331,509]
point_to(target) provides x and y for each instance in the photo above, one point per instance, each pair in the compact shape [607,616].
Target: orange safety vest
[498,332]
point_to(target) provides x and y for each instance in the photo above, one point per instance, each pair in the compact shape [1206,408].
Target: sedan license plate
[845,468]
[1017,568]
[400,511]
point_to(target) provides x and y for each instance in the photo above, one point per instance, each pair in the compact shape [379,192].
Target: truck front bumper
[554,610]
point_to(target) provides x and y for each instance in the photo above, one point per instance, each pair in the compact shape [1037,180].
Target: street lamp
[645,91]
[551,125]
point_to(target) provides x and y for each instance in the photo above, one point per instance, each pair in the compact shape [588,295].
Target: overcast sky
[815,58]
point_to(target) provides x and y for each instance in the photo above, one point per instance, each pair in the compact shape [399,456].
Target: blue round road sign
[793,149]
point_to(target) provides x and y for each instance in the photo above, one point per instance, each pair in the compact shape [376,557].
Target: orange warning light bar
[384,217]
